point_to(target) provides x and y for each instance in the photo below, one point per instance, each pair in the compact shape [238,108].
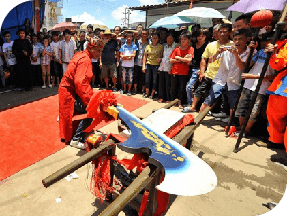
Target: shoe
[121,92]
[114,89]
[77,144]
[219,115]
[50,85]
[236,134]
[133,93]
[160,100]
[129,94]
[187,110]
[44,86]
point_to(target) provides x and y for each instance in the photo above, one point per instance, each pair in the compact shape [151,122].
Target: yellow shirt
[210,50]
[153,53]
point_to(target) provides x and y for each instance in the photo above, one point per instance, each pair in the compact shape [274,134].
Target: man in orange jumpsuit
[75,93]
[277,103]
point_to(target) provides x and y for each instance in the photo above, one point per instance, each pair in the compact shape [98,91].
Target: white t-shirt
[7,48]
[259,59]
[228,72]
[1,52]
[55,47]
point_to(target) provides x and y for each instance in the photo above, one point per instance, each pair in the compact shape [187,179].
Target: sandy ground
[247,180]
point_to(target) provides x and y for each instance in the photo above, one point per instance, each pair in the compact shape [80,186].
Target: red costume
[277,103]
[76,80]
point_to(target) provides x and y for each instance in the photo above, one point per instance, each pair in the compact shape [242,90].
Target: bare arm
[202,68]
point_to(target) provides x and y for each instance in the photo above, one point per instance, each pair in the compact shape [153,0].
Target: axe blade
[185,173]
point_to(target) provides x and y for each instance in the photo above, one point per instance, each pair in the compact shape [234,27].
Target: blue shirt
[127,51]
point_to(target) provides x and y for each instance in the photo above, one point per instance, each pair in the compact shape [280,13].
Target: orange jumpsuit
[277,103]
[76,80]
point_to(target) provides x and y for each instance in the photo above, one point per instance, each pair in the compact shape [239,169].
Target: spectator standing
[47,53]
[242,22]
[251,81]
[56,67]
[199,47]
[139,76]
[165,70]
[210,53]
[180,58]
[127,54]
[151,61]
[80,43]
[67,49]
[228,78]
[1,66]
[109,60]
[9,57]
[23,49]
[36,69]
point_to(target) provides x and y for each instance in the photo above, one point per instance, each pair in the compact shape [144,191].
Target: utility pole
[127,20]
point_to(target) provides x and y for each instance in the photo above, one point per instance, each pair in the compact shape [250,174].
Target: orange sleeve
[278,61]
[83,76]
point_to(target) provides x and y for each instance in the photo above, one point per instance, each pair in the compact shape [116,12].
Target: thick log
[68,169]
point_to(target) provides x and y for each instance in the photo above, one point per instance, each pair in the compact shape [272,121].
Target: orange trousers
[277,119]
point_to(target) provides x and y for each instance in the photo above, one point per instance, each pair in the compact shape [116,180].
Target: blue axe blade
[185,173]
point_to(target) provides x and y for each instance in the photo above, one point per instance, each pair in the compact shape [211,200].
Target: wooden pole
[144,178]
[86,158]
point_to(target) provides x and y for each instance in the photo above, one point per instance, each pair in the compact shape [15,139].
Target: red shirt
[181,68]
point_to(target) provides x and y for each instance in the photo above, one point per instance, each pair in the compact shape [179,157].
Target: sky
[110,12]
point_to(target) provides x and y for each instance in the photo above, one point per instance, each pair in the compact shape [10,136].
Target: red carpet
[30,133]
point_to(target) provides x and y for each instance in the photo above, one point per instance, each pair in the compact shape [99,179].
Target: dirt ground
[247,180]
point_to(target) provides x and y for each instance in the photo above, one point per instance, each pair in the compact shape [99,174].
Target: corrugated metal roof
[175,4]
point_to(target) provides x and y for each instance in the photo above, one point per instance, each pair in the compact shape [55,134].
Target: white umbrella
[95,24]
[200,15]
[171,22]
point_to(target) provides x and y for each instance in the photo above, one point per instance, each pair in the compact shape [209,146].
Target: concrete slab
[246,180]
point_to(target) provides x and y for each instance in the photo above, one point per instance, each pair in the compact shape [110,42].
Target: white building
[52,14]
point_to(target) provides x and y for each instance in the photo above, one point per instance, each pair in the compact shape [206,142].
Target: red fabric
[138,161]
[277,119]
[278,61]
[181,68]
[101,181]
[76,80]
[144,202]
[176,128]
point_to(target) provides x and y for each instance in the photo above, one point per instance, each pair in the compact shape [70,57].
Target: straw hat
[108,32]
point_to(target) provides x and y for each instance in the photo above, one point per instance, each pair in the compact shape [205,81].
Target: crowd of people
[200,67]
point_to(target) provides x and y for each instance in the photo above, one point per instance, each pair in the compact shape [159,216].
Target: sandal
[187,110]
[160,100]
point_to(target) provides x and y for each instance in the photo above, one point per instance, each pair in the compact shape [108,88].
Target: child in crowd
[251,81]
[10,58]
[1,68]
[47,54]
[165,70]
[36,61]
[127,54]
[180,58]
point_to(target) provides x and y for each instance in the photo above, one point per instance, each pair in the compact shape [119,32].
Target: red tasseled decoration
[97,106]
